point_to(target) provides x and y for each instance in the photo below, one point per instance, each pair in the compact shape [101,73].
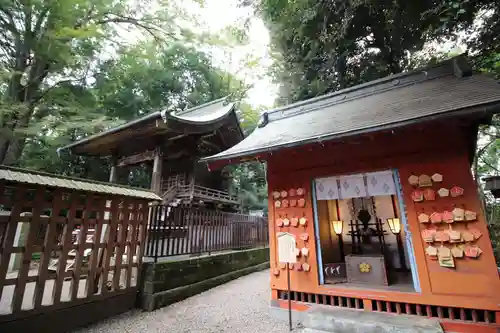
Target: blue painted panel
[316,233]
[408,236]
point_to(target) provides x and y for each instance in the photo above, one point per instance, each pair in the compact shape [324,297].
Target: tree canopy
[325,45]
[72,68]
[48,49]
[141,80]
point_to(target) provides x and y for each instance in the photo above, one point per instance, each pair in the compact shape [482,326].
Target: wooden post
[157,171]
[290,326]
[104,236]
[113,174]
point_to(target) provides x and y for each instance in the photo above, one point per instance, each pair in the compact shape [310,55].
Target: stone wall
[165,283]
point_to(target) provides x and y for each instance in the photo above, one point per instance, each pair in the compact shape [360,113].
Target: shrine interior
[362,234]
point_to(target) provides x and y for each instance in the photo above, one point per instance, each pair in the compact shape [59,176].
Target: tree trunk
[11,148]
[4,147]
[14,152]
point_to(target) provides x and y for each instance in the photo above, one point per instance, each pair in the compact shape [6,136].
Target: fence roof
[46,179]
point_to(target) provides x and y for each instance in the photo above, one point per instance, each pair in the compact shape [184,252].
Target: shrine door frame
[404,220]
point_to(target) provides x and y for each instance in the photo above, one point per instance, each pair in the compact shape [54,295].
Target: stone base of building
[164,283]
[318,318]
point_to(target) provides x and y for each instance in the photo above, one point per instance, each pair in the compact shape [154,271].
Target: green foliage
[148,77]
[47,50]
[493,216]
[489,63]
[327,45]
[249,117]
[488,153]
[143,79]
[249,181]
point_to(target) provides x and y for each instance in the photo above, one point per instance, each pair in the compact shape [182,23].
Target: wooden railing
[170,194]
[206,193]
[179,179]
[178,187]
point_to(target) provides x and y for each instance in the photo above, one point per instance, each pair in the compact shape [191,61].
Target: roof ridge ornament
[461,68]
[264,120]
[163,114]
[168,110]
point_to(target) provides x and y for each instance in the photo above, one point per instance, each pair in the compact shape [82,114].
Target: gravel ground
[240,306]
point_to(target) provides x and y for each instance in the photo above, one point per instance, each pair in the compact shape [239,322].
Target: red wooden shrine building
[375,183]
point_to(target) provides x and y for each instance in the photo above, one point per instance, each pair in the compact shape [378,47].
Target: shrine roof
[201,119]
[448,89]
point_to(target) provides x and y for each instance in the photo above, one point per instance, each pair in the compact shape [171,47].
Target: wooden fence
[175,231]
[63,249]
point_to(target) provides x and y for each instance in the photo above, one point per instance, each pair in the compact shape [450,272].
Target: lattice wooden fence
[61,247]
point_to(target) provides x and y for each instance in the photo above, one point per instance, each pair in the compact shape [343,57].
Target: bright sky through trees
[219,14]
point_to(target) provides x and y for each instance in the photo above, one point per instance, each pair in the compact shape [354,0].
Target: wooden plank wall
[409,150]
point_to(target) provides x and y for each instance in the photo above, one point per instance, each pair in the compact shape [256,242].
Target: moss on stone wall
[166,282]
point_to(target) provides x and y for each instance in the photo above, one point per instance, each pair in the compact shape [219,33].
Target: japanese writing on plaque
[335,270]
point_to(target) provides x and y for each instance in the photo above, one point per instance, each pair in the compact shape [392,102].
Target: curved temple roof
[201,119]
[447,89]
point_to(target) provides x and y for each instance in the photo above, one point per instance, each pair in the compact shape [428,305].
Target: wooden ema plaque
[286,248]
[366,269]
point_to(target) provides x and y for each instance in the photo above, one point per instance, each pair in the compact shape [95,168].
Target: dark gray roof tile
[410,97]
